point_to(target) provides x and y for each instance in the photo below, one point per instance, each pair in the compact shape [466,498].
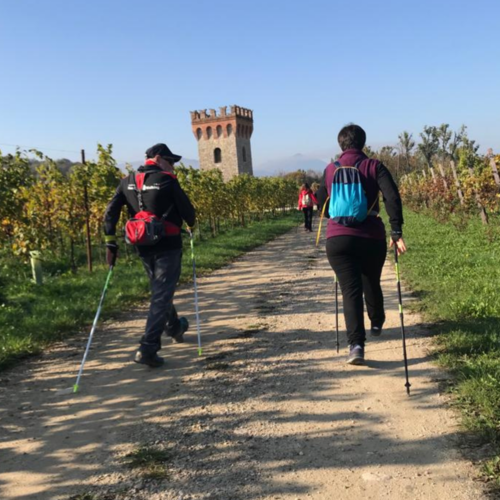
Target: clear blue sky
[78,72]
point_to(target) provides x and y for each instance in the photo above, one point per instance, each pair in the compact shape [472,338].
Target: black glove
[111,253]
[396,235]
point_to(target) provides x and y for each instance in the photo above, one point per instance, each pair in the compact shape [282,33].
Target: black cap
[163,151]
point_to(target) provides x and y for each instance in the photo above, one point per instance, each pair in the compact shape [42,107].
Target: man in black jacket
[162,195]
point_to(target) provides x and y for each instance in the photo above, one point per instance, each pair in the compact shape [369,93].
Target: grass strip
[32,317]
[455,272]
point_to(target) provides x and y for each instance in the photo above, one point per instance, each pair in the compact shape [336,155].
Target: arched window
[219,130]
[229,129]
[209,132]
[217,155]
[244,151]
[199,133]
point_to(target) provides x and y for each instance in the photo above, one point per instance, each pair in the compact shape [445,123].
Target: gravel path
[270,411]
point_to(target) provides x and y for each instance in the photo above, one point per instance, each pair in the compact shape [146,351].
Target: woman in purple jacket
[357,251]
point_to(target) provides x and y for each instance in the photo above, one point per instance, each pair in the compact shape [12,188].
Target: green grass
[150,461]
[455,271]
[32,317]
[84,496]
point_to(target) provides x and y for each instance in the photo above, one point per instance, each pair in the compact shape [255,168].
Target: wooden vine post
[494,169]
[443,175]
[457,182]
[482,211]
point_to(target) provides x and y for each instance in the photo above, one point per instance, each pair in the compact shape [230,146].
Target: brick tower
[224,140]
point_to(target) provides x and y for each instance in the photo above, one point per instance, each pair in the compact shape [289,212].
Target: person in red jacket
[306,202]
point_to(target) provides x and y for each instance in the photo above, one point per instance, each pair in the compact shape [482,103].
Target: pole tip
[408,385]
[75,388]
[199,351]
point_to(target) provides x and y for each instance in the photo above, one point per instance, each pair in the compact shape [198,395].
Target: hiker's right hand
[400,244]
[111,253]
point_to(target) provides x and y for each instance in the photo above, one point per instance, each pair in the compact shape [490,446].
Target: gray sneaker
[376,331]
[356,355]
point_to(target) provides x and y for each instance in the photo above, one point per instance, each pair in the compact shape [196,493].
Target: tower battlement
[204,116]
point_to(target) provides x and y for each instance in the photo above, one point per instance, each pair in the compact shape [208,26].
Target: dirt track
[270,411]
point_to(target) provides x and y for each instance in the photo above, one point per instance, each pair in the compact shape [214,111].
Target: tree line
[47,208]
[444,174]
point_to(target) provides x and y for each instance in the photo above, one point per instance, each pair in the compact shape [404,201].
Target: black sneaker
[182,328]
[376,330]
[356,355]
[154,361]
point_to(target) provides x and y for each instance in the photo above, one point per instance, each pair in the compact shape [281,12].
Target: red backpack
[146,228]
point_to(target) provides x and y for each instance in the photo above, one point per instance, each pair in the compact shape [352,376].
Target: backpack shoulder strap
[370,210]
[139,181]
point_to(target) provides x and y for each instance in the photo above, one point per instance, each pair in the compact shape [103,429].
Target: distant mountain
[291,164]
[268,168]
[188,162]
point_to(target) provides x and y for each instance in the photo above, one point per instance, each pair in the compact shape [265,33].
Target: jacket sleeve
[392,199]
[183,204]
[314,199]
[322,195]
[112,214]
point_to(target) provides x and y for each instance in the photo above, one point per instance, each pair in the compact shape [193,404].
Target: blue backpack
[348,203]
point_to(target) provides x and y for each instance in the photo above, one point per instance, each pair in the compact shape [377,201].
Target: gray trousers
[164,270]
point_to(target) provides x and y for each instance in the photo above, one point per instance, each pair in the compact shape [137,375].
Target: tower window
[217,155]
[219,130]
[229,129]
[209,132]
[199,133]
[244,151]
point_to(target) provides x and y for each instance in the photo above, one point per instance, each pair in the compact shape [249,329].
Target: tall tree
[406,144]
[429,147]
[456,141]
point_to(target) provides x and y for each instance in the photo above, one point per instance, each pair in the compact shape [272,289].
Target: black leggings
[358,264]
[308,217]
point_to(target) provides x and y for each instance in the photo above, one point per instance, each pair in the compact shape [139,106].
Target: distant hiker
[157,206]
[306,202]
[356,240]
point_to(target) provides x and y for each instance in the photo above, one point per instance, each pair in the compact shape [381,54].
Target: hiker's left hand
[401,245]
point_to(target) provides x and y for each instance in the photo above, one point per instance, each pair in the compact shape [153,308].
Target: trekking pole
[191,240]
[337,309]
[321,221]
[76,386]
[407,385]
